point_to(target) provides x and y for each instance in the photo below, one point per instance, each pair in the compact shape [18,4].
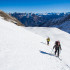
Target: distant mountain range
[59,20]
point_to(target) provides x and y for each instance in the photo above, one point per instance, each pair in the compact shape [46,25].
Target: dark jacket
[57,46]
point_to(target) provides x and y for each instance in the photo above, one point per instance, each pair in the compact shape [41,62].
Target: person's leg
[58,52]
[48,42]
[55,50]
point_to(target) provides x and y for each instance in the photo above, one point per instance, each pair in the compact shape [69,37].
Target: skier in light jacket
[48,40]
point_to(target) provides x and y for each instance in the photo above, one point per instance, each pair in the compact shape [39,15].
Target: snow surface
[64,26]
[21,49]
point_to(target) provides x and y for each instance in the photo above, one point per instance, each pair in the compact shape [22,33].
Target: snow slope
[21,49]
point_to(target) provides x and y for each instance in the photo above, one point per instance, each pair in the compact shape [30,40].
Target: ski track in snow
[60,64]
[58,60]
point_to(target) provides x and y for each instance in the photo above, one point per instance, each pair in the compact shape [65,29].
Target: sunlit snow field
[24,48]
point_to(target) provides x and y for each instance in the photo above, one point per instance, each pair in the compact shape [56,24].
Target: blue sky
[40,6]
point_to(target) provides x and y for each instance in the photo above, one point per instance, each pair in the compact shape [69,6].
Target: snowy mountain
[9,18]
[21,49]
[62,23]
[32,19]
[59,20]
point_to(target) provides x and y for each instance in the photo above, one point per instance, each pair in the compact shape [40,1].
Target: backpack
[57,43]
[48,39]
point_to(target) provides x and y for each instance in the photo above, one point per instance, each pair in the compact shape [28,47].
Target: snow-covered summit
[21,49]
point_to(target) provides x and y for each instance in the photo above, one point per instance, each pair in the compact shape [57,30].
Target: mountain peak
[10,18]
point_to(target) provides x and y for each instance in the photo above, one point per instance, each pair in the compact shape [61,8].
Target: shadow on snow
[47,53]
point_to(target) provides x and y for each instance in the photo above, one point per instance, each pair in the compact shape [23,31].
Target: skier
[48,40]
[57,47]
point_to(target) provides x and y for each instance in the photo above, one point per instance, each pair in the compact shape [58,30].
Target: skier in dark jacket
[57,47]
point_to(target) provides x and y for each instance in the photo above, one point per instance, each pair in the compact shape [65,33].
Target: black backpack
[57,43]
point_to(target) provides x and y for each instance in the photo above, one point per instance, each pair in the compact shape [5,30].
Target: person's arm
[60,47]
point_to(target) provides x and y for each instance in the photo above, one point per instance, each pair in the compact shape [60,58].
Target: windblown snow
[21,49]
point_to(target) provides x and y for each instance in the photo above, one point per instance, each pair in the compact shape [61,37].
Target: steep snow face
[21,49]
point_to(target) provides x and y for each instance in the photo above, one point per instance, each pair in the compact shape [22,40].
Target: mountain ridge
[48,20]
[10,18]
